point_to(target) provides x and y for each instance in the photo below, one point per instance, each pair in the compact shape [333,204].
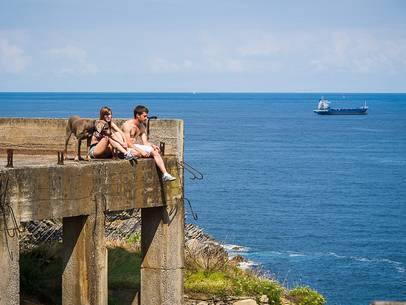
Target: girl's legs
[101,148]
[116,140]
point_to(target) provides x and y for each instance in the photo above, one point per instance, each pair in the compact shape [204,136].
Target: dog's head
[101,126]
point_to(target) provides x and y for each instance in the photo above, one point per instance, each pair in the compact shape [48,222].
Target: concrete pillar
[162,246]
[9,264]
[84,277]
[388,303]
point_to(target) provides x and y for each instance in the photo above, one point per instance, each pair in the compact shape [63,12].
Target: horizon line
[214,92]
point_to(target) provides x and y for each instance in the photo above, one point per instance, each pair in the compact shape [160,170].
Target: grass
[306,296]
[134,238]
[231,282]
[41,274]
[124,269]
[209,273]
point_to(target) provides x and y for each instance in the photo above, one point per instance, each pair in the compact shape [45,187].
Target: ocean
[314,200]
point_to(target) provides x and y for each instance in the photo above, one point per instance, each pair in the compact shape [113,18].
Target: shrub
[231,282]
[134,238]
[306,296]
[41,273]
[204,256]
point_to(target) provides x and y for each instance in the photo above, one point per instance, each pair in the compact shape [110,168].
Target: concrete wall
[80,193]
[33,135]
[56,191]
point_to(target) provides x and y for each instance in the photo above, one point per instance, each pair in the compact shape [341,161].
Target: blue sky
[203,46]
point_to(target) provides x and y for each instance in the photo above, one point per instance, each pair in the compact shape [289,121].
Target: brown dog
[82,129]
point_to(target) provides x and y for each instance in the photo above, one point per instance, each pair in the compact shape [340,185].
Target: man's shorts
[145,148]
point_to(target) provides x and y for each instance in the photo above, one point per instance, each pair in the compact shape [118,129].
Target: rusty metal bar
[10,158]
[60,157]
[162,148]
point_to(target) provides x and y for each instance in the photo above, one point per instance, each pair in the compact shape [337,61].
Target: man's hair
[140,110]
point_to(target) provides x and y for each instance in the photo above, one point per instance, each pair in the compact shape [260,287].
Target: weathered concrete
[34,136]
[9,262]
[388,303]
[54,191]
[162,236]
[84,277]
[81,193]
[159,286]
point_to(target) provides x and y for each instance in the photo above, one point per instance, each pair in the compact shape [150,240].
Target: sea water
[315,200]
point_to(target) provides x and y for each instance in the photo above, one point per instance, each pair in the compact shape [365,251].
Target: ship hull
[343,111]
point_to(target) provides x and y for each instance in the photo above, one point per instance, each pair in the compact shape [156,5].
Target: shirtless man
[137,141]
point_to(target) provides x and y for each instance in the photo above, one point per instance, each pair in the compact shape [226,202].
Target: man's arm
[127,135]
[146,142]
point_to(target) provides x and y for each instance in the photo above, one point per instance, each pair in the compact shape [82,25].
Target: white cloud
[72,60]
[360,52]
[12,58]
[293,52]
[260,44]
[162,65]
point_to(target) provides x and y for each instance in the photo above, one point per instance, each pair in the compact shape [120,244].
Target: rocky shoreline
[118,226]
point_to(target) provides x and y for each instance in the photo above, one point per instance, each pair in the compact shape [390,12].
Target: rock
[264,299]
[203,303]
[236,260]
[246,302]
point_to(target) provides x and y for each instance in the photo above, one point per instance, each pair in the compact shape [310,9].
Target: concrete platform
[81,193]
[42,189]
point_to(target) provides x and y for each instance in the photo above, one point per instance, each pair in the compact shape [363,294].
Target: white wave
[361,259]
[295,254]
[235,248]
[400,269]
[335,255]
[397,265]
[247,265]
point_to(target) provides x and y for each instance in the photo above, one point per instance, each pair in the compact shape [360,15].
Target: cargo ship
[324,108]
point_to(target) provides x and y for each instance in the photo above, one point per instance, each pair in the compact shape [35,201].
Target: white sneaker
[168,177]
[128,156]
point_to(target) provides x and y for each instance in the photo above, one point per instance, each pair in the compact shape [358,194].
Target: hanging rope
[196,175]
[194,215]
[6,209]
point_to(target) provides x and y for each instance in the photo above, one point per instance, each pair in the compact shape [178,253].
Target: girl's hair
[103,111]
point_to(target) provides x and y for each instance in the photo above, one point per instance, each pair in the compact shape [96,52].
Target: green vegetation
[210,273]
[306,296]
[41,273]
[134,238]
[231,282]
[124,269]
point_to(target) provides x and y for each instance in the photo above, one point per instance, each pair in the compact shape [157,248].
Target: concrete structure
[388,303]
[81,193]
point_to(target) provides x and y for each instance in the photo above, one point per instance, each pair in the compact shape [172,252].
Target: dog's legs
[78,158]
[87,148]
[67,137]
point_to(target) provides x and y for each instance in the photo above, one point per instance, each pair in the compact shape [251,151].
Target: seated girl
[102,144]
